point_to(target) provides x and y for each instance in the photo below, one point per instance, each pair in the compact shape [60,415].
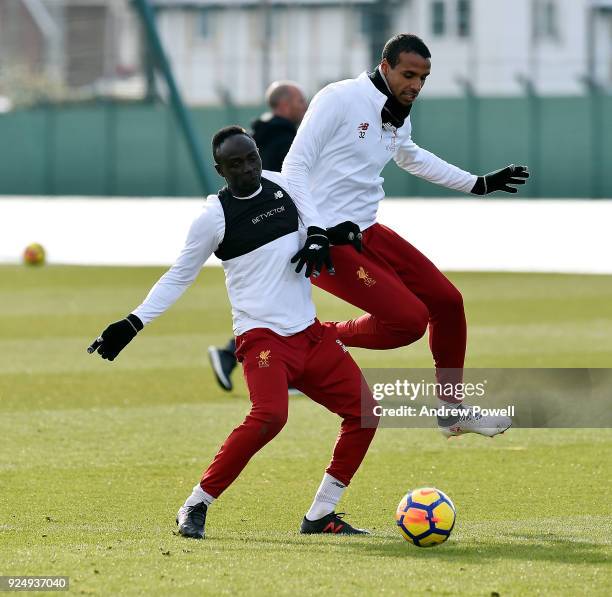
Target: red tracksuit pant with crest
[402,293]
[315,362]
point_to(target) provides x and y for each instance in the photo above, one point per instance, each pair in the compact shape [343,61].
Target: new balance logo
[278,195]
[314,247]
[362,128]
[333,528]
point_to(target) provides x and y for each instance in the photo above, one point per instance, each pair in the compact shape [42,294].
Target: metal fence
[137,150]
[83,110]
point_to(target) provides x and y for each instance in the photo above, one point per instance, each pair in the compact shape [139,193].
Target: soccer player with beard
[351,130]
[252,226]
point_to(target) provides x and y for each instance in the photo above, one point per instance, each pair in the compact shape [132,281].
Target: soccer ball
[34,254]
[425,517]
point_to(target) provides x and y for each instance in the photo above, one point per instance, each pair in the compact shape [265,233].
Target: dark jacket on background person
[273,135]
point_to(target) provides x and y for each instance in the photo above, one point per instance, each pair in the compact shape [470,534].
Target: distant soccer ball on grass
[34,254]
[425,517]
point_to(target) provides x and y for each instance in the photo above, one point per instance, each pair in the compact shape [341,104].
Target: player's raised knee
[450,300]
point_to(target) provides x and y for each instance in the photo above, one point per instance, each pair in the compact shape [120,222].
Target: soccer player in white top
[351,130]
[252,226]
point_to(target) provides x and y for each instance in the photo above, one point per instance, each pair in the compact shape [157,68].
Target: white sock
[198,495]
[328,495]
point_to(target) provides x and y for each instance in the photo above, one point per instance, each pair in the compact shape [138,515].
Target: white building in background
[239,46]
[497,45]
[232,49]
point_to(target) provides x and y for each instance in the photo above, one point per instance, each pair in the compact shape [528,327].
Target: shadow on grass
[551,548]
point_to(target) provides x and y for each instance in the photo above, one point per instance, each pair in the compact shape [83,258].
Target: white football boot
[469,421]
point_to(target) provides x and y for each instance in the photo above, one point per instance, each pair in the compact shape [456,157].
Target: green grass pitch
[96,457]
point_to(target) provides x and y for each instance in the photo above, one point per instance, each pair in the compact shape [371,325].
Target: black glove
[116,337]
[500,180]
[347,233]
[314,254]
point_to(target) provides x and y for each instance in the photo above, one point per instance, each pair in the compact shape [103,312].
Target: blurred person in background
[273,132]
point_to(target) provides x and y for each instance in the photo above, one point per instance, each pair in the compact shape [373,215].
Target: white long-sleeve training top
[255,238]
[341,148]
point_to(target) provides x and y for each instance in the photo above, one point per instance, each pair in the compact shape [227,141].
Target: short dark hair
[404,42]
[225,133]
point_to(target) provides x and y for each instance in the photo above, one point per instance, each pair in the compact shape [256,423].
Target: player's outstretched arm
[427,165]
[423,163]
[314,254]
[116,337]
[204,236]
[505,180]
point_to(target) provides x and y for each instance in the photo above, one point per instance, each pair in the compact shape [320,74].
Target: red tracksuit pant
[402,292]
[316,363]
